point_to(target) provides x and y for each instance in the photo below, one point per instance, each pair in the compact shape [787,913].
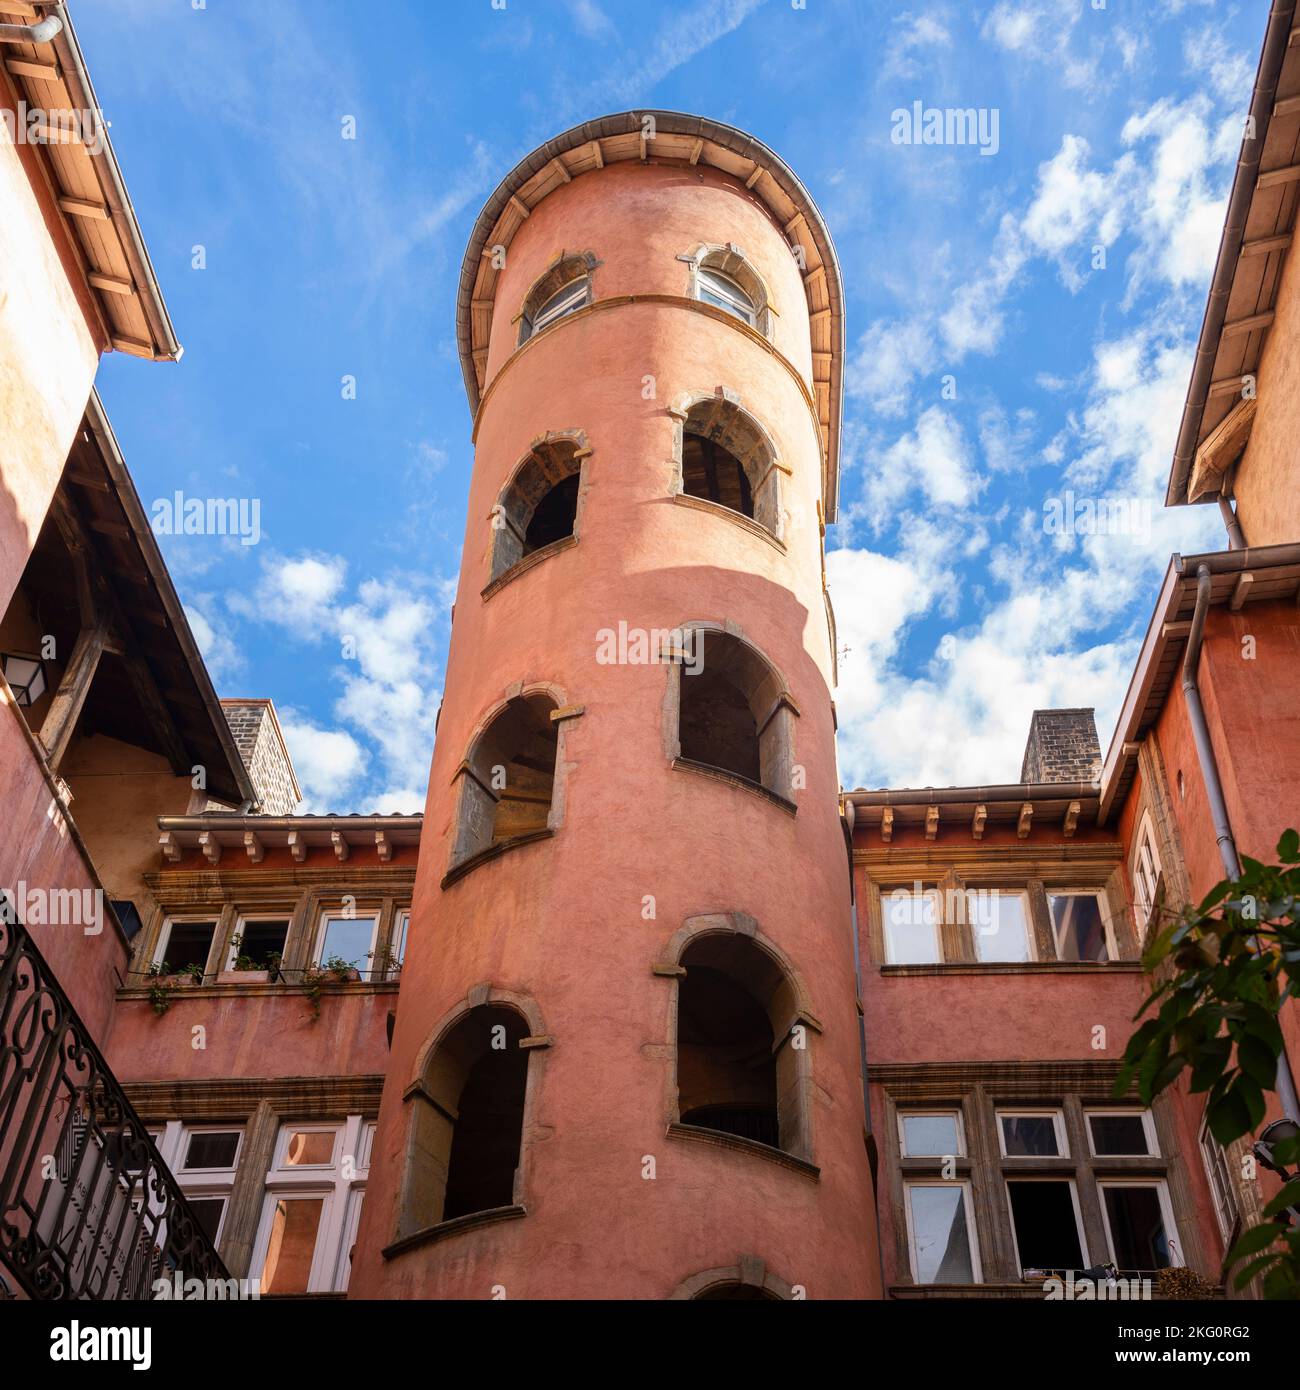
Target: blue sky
[1020,327]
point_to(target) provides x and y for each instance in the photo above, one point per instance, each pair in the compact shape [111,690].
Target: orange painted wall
[561,919]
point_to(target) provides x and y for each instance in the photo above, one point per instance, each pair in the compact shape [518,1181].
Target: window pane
[1047,1234]
[910,935]
[1137,1227]
[930,1135]
[350,938]
[940,1238]
[214,1150]
[1077,922]
[293,1243]
[258,940]
[998,924]
[1029,1136]
[1118,1134]
[207,1211]
[399,947]
[188,944]
[309,1148]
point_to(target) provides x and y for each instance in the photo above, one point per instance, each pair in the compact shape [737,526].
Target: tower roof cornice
[689,139]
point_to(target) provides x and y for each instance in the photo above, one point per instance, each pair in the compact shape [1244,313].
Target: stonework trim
[749,1272]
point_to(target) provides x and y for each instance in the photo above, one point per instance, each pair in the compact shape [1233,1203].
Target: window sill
[527,563]
[260,988]
[736,780]
[445,1229]
[909,1291]
[458,871]
[705,504]
[1024,967]
[721,1140]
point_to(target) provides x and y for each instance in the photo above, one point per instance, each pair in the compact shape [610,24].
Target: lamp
[26,676]
[1275,1134]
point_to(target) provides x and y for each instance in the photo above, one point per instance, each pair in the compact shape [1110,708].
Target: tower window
[716,288]
[539,505]
[508,779]
[563,290]
[737,1071]
[468,1121]
[734,712]
[727,459]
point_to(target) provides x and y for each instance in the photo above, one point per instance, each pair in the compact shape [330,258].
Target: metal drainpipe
[41,32]
[1286,1090]
[1236,537]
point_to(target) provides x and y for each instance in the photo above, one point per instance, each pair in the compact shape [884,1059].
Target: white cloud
[590,20]
[915,38]
[329,762]
[220,653]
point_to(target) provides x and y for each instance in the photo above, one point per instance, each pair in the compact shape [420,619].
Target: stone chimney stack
[262,747]
[1062,747]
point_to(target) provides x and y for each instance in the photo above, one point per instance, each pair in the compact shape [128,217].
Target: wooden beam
[1026,816]
[341,847]
[1288,106]
[110,528]
[697,149]
[383,847]
[598,154]
[977,821]
[60,721]
[558,165]
[1276,176]
[134,346]
[1219,450]
[210,846]
[520,206]
[253,847]
[887,824]
[30,67]
[152,703]
[110,284]
[1071,821]
[754,176]
[171,851]
[1262,245]
[1241,591]
[87,480]
[297,847]
[83,207]
[931,822]
[1173,632]
[1249,324]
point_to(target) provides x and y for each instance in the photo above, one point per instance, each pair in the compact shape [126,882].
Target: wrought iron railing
[88,1209]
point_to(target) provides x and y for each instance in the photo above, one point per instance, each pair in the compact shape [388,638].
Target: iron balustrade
[88,1209]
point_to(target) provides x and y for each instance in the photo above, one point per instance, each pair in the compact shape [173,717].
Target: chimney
[1062,747]
[262,747]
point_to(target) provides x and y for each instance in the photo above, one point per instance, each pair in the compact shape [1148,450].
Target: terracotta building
[645,1005]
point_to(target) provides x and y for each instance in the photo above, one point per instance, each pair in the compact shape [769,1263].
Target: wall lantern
[26,676]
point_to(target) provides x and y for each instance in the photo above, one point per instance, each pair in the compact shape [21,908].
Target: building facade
[644,1005]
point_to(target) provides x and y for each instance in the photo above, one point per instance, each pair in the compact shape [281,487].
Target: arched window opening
[467,1121]
[508,779]
[734,712]
[735,1292]
[737,1070]
[721,290]
[539,506]
[563,290]
[727,459]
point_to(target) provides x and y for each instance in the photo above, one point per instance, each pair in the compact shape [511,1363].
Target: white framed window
[1080,925]
[347,937]
[203,1159]
[713,287]
[1145,870]
[185,941]
[401,927]
[930,1133]
[941,1235]
[1122,1133]
[1046,1224]
[261,939]
[1227,1209]
[999,922]
[566,300]
[1140,1231]
[911,926]
[314,1191]
[1032,1134]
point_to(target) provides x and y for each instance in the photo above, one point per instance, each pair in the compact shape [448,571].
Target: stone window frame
[962,1185]
[749,1271]
[776,728]
[1037,879]
[799,1063]
[731,261]
[565,267]
[766,478]
[979,1091]
[472,787]
[407,1233]
[504,528]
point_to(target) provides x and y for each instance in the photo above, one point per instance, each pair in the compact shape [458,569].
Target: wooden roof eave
[1279,70]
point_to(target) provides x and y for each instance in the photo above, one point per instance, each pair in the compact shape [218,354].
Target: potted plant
[335,971]
[244,970]
[163,980]
[384,964]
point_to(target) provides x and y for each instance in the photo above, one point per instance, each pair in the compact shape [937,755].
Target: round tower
[626,1056]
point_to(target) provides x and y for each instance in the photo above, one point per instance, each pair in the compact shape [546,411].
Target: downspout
[1236,537]
[1286,1090]
[42,32]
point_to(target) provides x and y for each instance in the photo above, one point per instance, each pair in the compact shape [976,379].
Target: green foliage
[1226,968]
